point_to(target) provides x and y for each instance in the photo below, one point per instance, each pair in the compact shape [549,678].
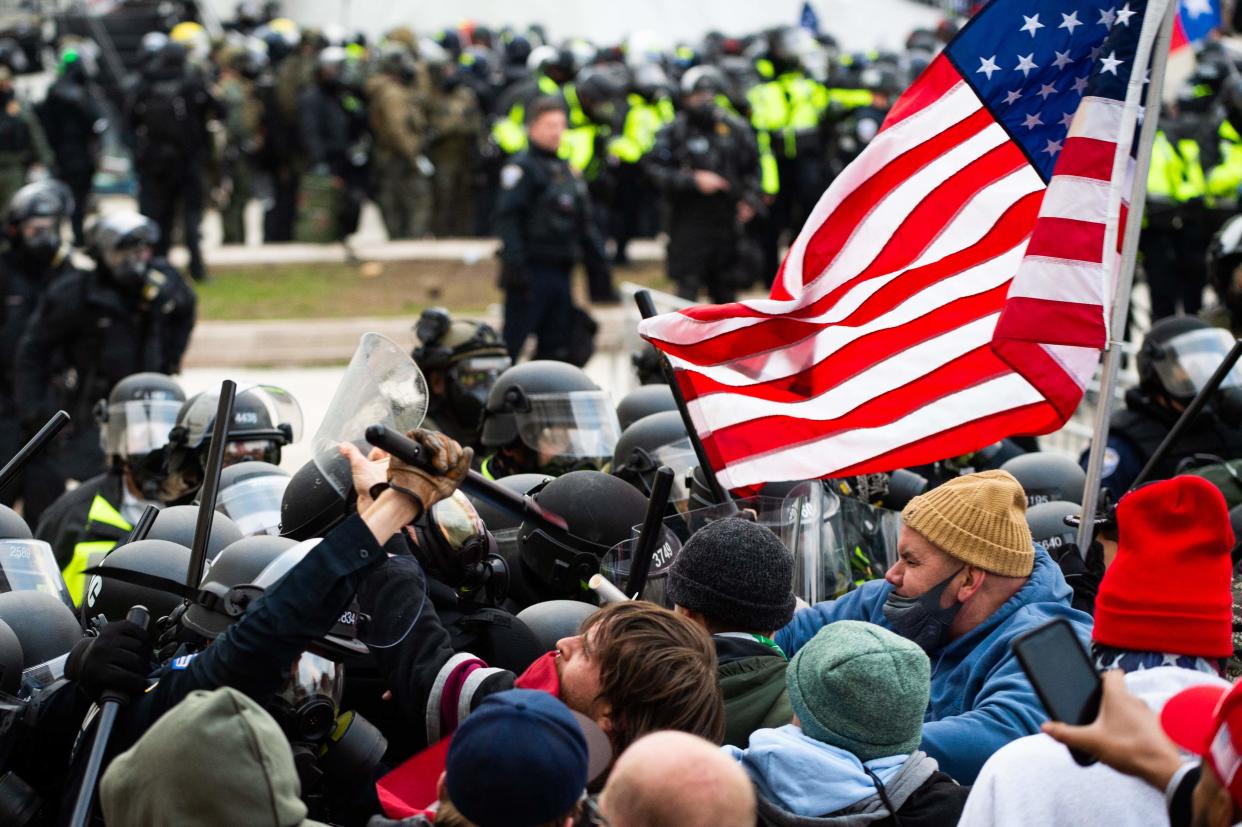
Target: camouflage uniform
[242,127]
[22,142]
[399,124]
[456,124]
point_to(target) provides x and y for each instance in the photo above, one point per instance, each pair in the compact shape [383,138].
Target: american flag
[951,288]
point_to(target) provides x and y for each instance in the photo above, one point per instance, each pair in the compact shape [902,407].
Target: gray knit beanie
[737,574]
[862,688]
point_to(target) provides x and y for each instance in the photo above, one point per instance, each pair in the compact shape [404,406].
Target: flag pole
[1125,277]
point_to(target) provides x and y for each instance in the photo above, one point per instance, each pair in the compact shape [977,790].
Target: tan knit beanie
[979,519]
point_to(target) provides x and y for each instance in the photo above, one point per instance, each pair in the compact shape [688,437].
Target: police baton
[211,483]
[520,505]
[1190,414]
[22,458]
[652,532]
[109,707]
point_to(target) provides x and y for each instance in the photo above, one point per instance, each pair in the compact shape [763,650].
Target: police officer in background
[85,523]
[461,360]
[543,219]
[73,119]
[132,313]
[34,255]
[169,112]
[1178,356]
[707,165]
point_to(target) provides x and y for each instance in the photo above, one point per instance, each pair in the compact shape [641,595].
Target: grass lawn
[303,291]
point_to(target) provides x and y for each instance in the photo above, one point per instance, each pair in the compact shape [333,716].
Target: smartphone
[1062,674]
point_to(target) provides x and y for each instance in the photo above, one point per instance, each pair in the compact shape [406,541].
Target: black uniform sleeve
[309,119]
[254,655]
[663,168]
[177,309]
[55,320]
[517,195]
[434,686]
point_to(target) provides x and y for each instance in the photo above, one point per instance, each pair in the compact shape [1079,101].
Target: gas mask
[469,383]
[306,707]
[128,267]
[454,546]
[921,619]
[41,246]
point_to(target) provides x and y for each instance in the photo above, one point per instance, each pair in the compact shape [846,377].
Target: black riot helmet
[556,412]
[113,598]
[176,524]
[12,526]
[1179,355]
[600,88]
[653,441]
[1224,263]
[121,243]
[600,511]
[467,354]
[33,221]
[251,494]
[44,625]
[12,661]
[135,422]
[1049,530]
[1047,477]
[644,401]
[265,418]
[557,64]
[703,79]
[238,564]
[311,505]
[651,81]
[552,620]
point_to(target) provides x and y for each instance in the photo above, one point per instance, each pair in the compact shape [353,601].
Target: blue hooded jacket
[980,697]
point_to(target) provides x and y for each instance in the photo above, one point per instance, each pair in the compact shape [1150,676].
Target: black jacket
[64,524]
[21,286]
[73,121]
[86,323]
[324,128]
[543,213]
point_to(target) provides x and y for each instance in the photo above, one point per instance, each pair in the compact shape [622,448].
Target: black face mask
[39,251]
[130,275]
[703,113]
[921,619]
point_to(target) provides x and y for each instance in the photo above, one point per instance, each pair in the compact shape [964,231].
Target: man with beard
[967,582]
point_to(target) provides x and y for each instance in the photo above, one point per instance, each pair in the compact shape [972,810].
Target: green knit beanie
[862,688]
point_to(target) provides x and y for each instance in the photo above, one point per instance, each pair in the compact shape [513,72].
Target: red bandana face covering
[542,675]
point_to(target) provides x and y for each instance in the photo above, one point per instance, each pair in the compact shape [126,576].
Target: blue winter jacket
[980,697]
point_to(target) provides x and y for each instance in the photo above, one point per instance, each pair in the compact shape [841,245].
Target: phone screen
[1061,672]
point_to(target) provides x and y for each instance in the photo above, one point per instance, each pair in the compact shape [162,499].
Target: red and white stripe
[890,337]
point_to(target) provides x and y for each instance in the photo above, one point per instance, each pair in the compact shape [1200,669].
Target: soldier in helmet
[265,419]
[461,361]
[1178,356]
[400,169]
[240,69]
[456,125]
[706,164]
[132,313]
[548,418]
[23,145]
[34,254]
[85,523]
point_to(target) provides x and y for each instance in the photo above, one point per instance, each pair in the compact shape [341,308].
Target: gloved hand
[449,463]
[118,659]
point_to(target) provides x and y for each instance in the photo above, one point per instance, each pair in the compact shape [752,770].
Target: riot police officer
[461,361]
[265,419]
[73,119]
[1178,356]
[707,165]
[133,313]
[85,523]
[548,418]
[1224,264]
[33,256]
[543,219]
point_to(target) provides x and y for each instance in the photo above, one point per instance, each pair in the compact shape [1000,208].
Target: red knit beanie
[1169,587]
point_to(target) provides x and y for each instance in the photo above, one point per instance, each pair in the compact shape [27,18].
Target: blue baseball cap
[520,759]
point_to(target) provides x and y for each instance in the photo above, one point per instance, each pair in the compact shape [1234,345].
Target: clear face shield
[254,504]
[678,456]
[1191,360]
[30,565]
[577,428]
[801,520]
[138,427]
